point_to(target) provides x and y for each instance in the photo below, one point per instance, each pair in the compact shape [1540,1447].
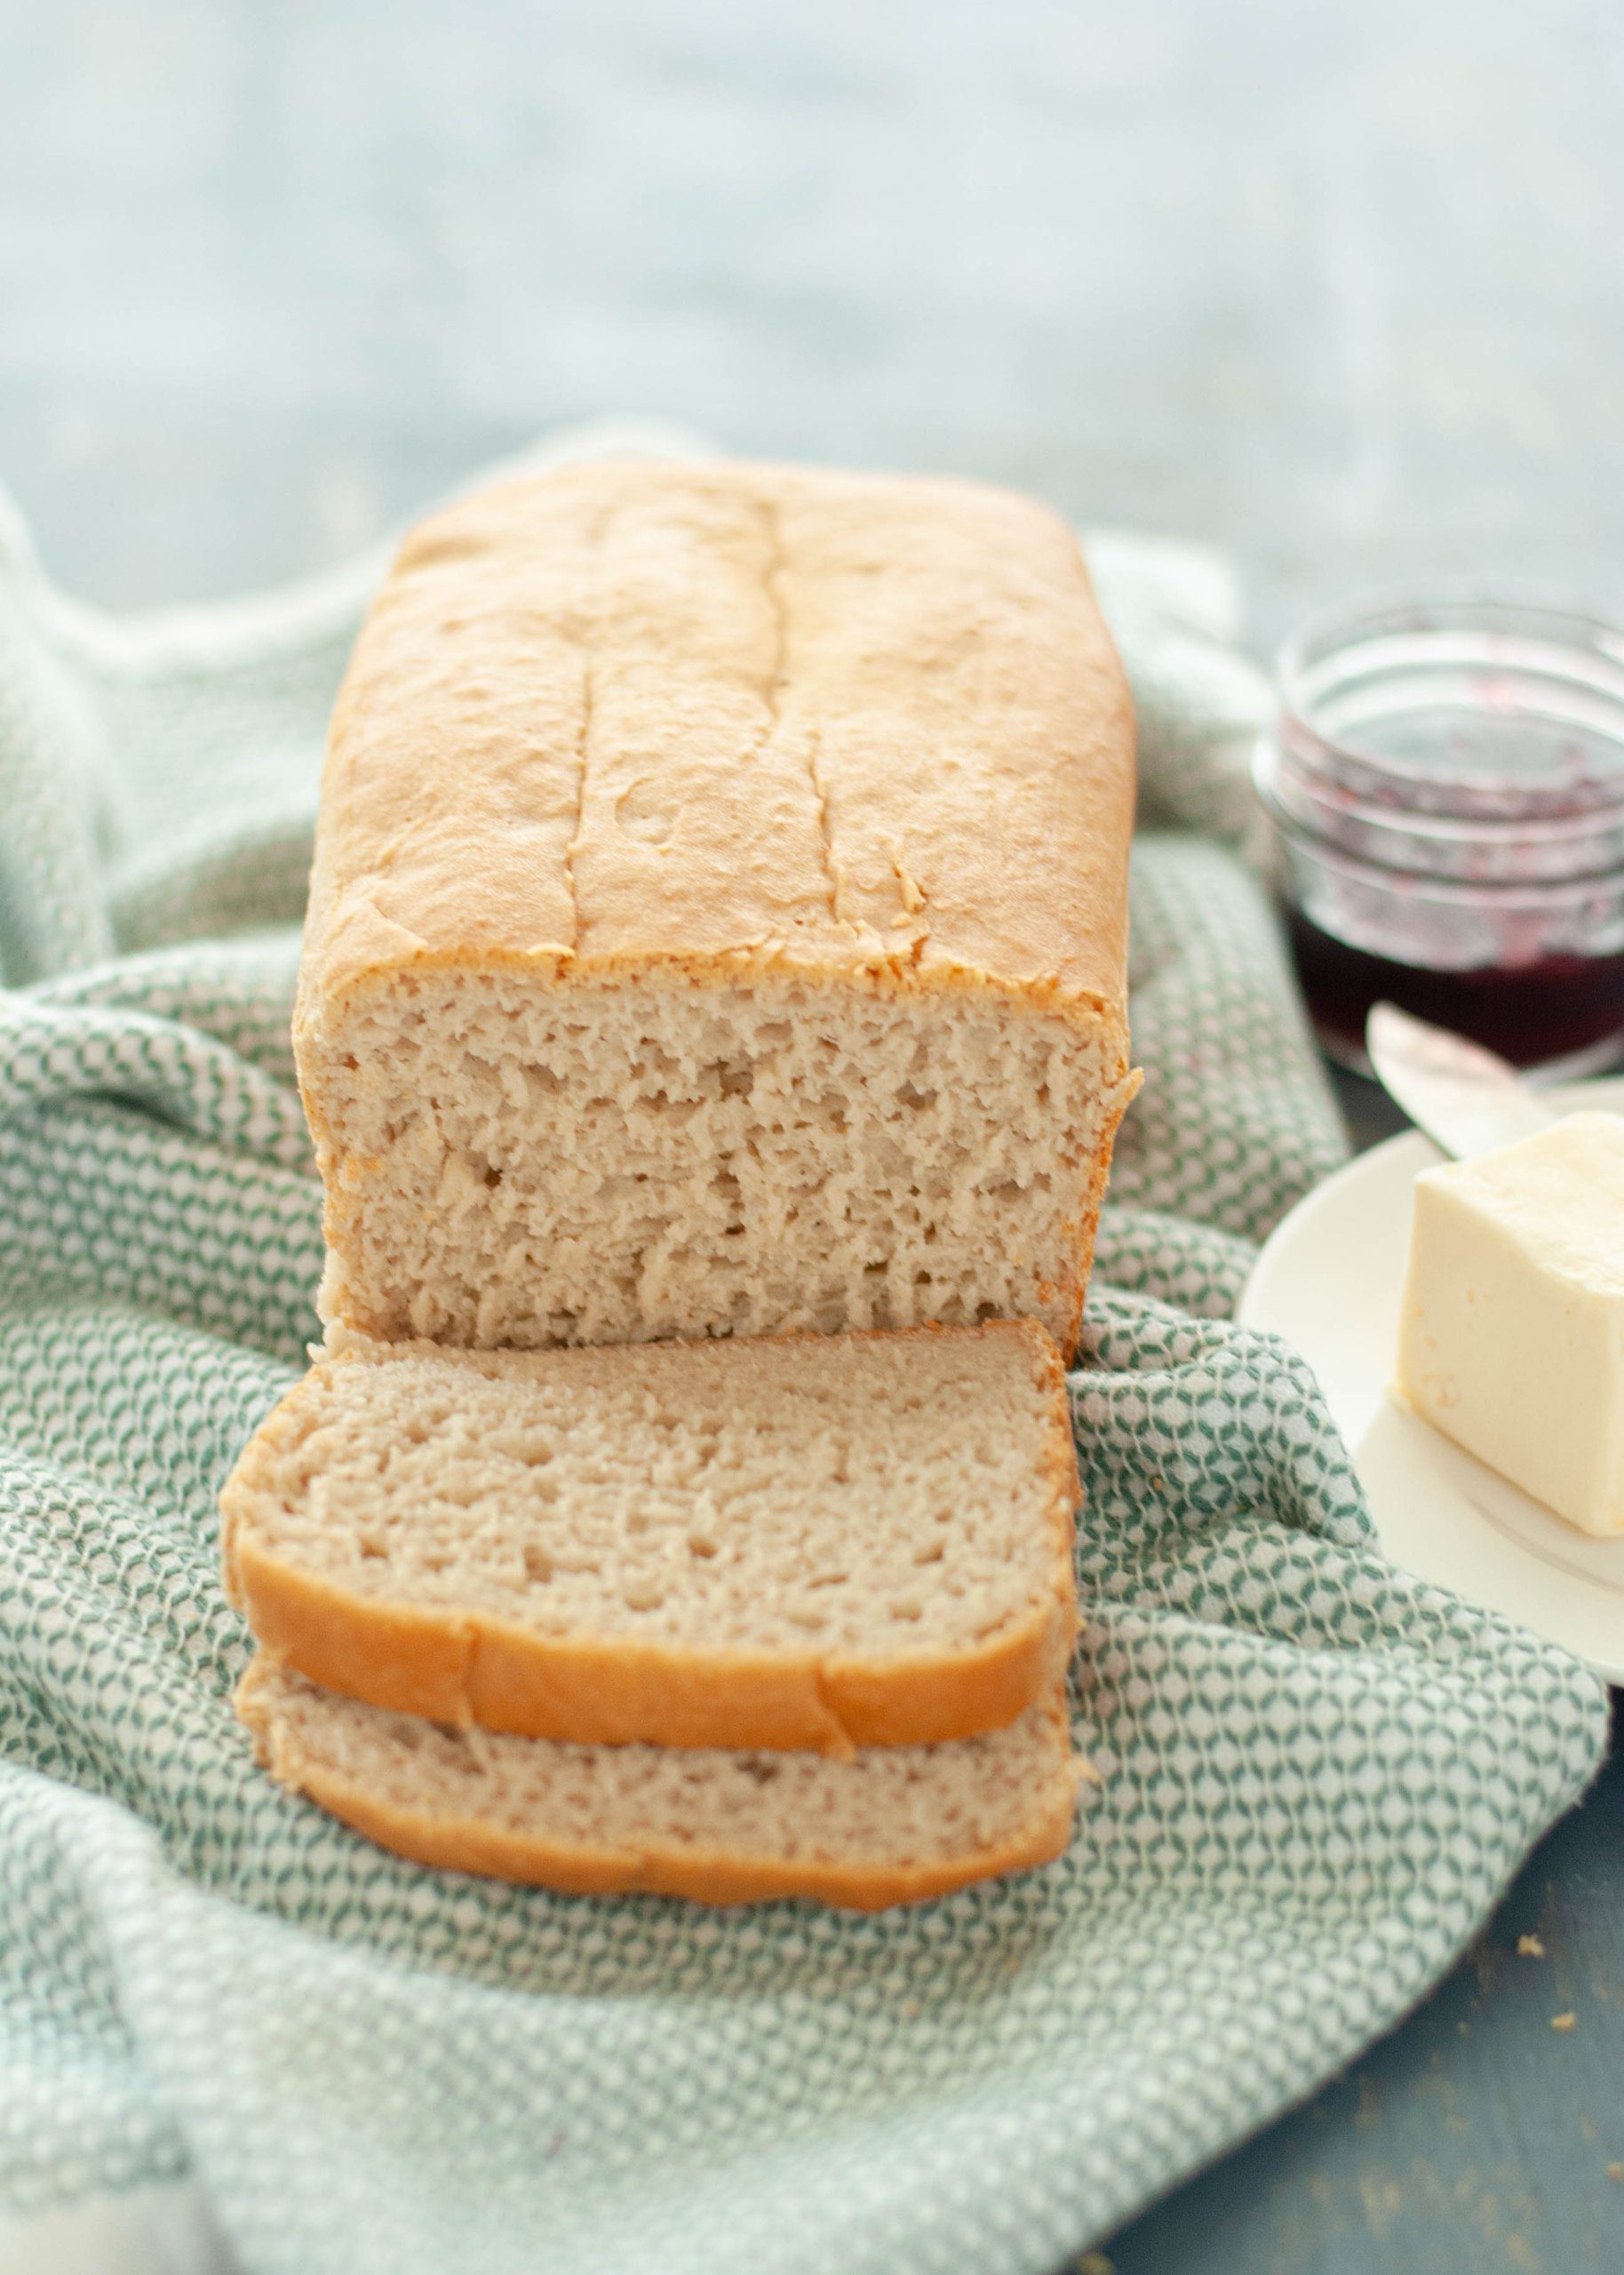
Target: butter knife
[1466,1098]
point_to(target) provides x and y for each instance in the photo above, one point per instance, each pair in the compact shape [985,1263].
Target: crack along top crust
[723,720]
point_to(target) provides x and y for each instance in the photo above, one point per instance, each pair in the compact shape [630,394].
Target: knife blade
[1466,1098]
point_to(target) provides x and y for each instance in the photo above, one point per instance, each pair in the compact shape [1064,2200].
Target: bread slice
[893,1825]
[818,1542]
[718,917]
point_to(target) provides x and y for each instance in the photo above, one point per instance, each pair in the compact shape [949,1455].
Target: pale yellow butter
[1512,1338]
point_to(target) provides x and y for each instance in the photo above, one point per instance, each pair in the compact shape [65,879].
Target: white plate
[1328,1279]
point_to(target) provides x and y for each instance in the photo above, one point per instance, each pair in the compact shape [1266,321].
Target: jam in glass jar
[1446,785]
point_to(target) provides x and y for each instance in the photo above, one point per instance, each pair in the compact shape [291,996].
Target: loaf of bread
[718,919]
[820,1543]
[891,1826]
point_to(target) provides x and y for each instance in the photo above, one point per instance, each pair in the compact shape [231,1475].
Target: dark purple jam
[1561,1008]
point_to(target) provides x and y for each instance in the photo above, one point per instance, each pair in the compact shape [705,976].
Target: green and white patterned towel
[1316,1775]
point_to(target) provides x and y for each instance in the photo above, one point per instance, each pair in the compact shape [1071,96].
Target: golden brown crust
[1074,1284]
[470,1667]
[712,1876]
[725,721]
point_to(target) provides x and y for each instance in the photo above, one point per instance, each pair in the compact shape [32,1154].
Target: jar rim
[1556,666]
[1548,894]
[1477,829]
[1430,843]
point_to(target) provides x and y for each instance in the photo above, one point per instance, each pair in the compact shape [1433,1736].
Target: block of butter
[1511,1339]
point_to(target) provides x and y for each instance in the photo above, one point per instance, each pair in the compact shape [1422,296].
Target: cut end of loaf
[515,1162]
[892,1826]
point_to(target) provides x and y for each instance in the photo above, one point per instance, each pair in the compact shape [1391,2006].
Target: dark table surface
[1336,286]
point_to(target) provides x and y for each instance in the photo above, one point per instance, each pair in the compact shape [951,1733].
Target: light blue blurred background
[1339,286]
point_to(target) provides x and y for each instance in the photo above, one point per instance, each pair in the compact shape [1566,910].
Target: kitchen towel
[1315,1774]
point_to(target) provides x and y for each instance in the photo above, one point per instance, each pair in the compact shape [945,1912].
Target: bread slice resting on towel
[891,1826]
[817,1543]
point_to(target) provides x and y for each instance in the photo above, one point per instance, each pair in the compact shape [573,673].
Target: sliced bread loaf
[893,1825]
[808,1543]
[718,915]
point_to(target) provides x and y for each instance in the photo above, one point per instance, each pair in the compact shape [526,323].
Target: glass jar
[1446,785]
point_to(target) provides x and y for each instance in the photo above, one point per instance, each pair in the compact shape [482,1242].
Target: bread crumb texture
[813,1542]
[861,1490]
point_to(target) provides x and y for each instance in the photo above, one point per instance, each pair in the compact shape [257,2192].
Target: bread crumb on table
[1615,2170]
[1530,1947]
[1564,2022]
